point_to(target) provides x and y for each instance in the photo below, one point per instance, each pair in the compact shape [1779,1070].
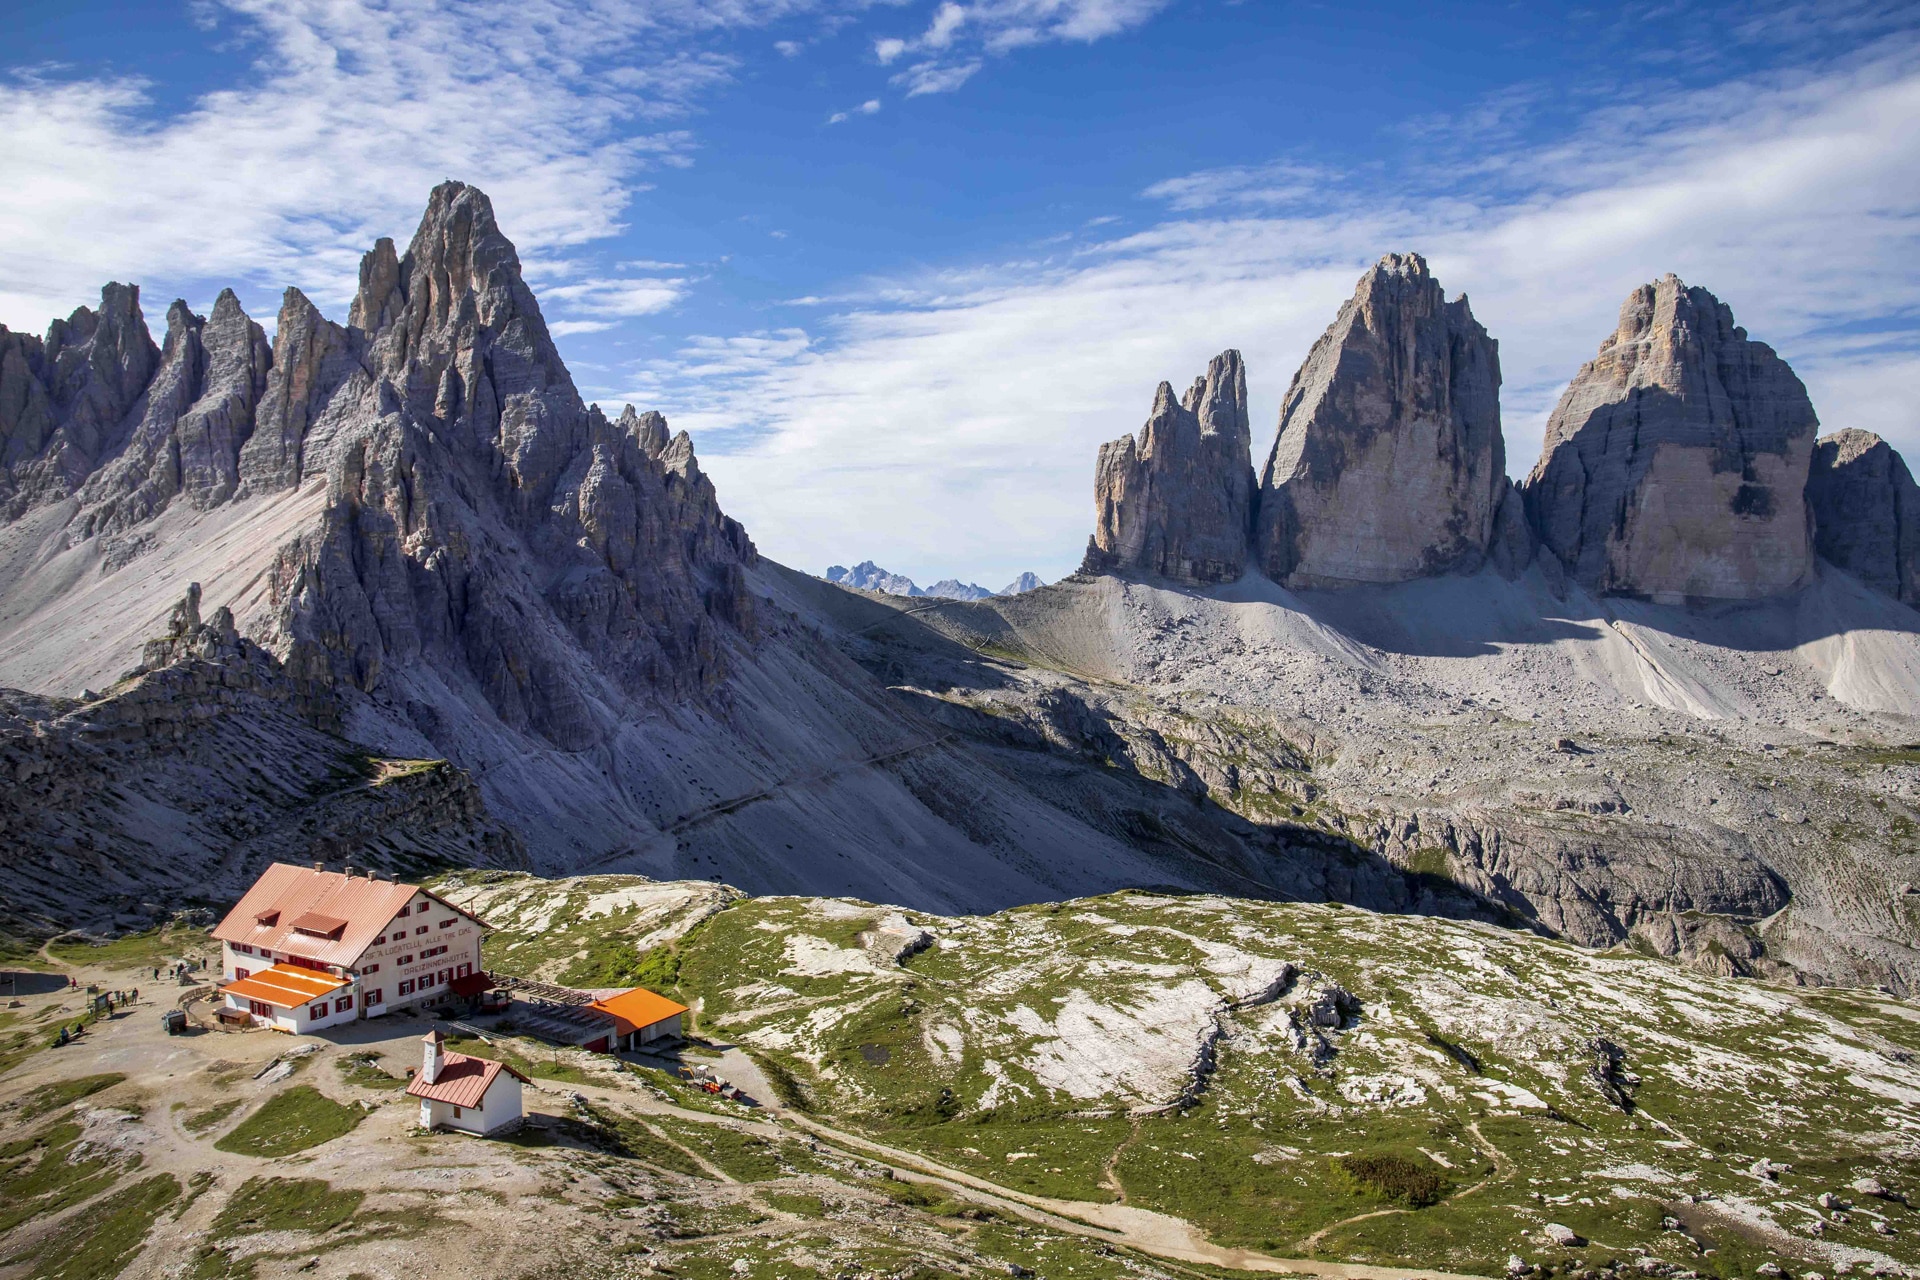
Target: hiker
[64,1037]
[135,997]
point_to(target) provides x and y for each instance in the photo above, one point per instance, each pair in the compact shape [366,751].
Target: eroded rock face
[1176,501]
[470,460]
[315,380]
[201,766]
[190,423]
[1675,463]
[64,401]
[1389,463]
[1866,512]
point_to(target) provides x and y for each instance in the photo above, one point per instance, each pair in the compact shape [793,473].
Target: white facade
[419,952]
[417,956]
[499,1109]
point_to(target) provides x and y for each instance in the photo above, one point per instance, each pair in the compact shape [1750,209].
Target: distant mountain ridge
[868,576]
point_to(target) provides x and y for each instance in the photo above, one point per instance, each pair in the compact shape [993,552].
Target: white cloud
[1269,185]
[348,113]
[948,424]
[867,108]
[998,27]
[933,77]
[613,297]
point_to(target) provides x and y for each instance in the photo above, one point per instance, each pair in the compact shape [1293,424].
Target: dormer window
[268,918]
[315,925]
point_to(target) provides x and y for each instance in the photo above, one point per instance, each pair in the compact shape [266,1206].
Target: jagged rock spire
[1176,500]
[1389,463]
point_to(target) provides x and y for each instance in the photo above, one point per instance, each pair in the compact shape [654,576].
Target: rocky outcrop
[314,384]
[1176,501]
[64,401]
[1866,512]
[1389,463]
[1675,464]
[200,767]
[189,424]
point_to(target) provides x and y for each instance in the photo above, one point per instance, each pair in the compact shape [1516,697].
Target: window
[343,1004]
[240,973]
[373,997]
[405,988]
[366,969]
[260,1008]
[317,1012]
[426,980]
[406,959]
[463,971]
[456,1113]
[377,941]
[420,930]
[403,911]
[447,924]
[243,948]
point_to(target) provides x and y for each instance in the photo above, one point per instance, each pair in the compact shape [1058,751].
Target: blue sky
[901,267]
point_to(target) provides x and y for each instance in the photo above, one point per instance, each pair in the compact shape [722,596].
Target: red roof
[285,986]
[470,984]
[635,1009]
[314,922]
[463,1081]
[347,911]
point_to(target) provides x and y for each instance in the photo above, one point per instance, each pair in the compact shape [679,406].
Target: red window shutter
[240,973]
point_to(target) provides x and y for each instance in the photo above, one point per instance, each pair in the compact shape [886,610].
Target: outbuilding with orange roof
[640,1017]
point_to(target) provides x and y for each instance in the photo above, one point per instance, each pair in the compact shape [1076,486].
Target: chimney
[430,1067]
[349,870]
[319,866]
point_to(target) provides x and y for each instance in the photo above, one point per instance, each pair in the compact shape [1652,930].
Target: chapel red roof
[463,1081]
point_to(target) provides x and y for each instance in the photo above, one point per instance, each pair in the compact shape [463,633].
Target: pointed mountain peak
[1389,463]
[1680,435]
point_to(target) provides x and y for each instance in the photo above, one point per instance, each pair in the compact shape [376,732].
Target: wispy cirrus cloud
[949,52]
[954,417]
[870,107]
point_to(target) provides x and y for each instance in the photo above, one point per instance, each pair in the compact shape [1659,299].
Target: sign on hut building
[468,1094]
[307,948]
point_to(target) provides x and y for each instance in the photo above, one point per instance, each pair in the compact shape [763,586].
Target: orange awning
[632,1010]
[284,986]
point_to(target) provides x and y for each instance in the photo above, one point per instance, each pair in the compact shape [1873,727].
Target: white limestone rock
[1389,464]
[1676,462]
[1176,500]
